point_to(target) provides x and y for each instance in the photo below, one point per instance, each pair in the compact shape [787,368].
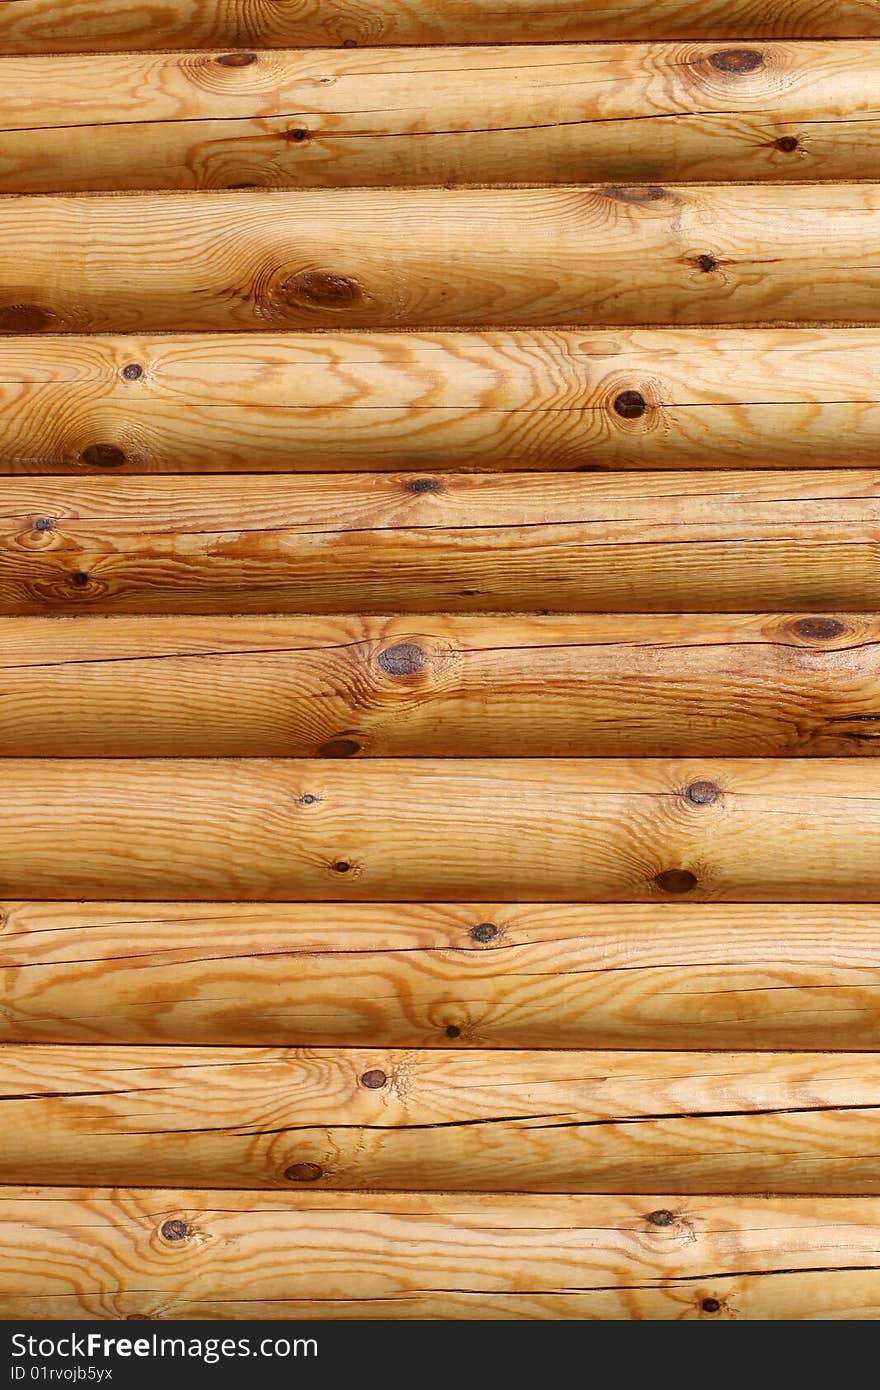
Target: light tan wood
[544,399]
[521,114]
[441,685]
[43,25]
[73,1253]
[430,1120]
[518,830]
[441,257]
[385,543]
[468,975]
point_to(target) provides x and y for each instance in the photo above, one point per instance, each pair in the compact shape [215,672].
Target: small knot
[707,263]
[635,193]
[374,1080]
[710,1305]
[79,578]
[788,144]
[175,1230]
[738,60]
[133,371]
[403,659]
[342,866]
[676,880]
[237,60]
[24,318]
[298,134]
[103,456]
[320,289]
[819,629]
[424,485]
[453,1030]
[701,793]
[44,523]
[662,1217]
[304,1172]
[308,799]
[630,405]
[339,748]
[484,931]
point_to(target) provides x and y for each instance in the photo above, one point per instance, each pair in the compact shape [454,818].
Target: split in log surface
[442,685]
[380,543]
[594,399]
[31,26]
[86,1253]
[420,830]
[621,113]
[430,1120]
[439,257]
[469,975]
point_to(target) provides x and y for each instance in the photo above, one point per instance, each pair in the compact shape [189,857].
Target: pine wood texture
[463,975]
[430,1120]
[620,113]
[442,685]
[319,258]
[419,830]
[544,400]
[31,26]
[380,543]
[75,1253]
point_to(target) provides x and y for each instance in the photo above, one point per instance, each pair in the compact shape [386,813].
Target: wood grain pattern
[317,258]
[521,114]
[541,400]
[90,1253]
[518,830]
[429,1120]
[383,543]
[441,685]
[43,25]
[660,975]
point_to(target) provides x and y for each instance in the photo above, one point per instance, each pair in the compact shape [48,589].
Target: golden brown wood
[520,114]
[441,257]
[382,543]
[441,685]
[519,830]
[430,1120]
[98,1254]
[534,400]
[44,25]
[469,975]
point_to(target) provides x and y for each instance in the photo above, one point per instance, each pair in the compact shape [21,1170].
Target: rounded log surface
[322,258]
[666,975]
[527,830]
[543,399]
[97,1254]
[34,25]
[469,1121]
[380,543]
[442,685]
[621,113]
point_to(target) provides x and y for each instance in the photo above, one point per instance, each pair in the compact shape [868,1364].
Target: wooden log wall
[439,659]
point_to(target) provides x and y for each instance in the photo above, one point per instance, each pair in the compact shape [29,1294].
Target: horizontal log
[437,686]
[519,114]
[428,1120]
[317,258]
[443,974]
[380,543]
[41,25]
[532,400]
[517,830]
[68,1254]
